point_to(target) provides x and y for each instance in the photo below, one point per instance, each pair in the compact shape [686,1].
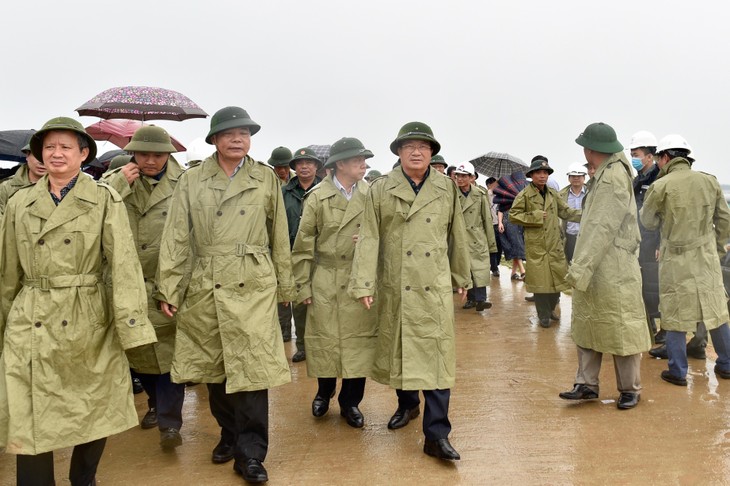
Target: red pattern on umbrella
[119,132]
[141,103]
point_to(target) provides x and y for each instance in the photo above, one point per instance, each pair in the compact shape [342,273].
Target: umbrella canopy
[321,151]
[141,103]
[119,132]
[498,164]
[11,142]
[507,189]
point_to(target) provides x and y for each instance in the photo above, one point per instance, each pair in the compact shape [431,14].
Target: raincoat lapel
[78,201]
[431,190]
[248,177]
[164,188]
[356,205]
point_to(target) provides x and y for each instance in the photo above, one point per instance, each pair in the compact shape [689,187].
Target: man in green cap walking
[227,216]
[608,310]
[412,250]
[306,164]
[438,163]
[146,184]
[28,174]
[279,160]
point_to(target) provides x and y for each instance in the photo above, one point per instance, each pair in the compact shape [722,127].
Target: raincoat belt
[628,244]
[237,249]
[691,244]
[62,281]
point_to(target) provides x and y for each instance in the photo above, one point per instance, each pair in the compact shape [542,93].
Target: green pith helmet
[437,159]
[600,138]
[305,153]
[150,138]
[346,148]
[280,156]
[61,123]
[231,117]
[415,131]
[119,161]
[26,149]
[539,163]
[373,174]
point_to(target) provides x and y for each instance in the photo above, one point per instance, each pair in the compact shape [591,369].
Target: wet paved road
[509,425]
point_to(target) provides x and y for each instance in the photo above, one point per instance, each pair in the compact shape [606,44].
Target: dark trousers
[545,304]
[38,470]
[477,294]
[300,323]
[351,392]
[285,320]
[495,258]
[436,423]
[570,246]
[243,418]
[166,397]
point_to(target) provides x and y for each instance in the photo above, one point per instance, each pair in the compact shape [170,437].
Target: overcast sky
[523,77]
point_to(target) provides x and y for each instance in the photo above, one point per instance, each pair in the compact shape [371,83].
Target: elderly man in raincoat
[28,174]
[690,210]
[227,215]
[608,310]
[341,334]
[64,377]
[146,184]
[411,252]
[539,208]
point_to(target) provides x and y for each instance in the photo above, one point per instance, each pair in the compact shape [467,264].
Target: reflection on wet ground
[509,425]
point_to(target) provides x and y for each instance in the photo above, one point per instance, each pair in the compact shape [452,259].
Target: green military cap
[346,148]
[438,160]
[150,138]
[539,162]
[600,137]
[373,174]
[280,156]
[120,161]
[26,149]
[305,153]
[231,117]
[415,131]
[61,123]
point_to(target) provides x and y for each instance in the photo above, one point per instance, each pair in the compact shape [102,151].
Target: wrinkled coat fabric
[10,186]
[608,311]
[412,250]
[544,242]
[293,195]
[235,229]
[147,201]
[341,334]
[694,218]
[65,378]
[480,233]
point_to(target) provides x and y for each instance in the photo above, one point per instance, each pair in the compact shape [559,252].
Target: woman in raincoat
[64,377]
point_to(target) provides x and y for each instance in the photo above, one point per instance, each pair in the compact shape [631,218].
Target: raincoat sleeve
[459,259]
[721,220]
[280,244]
[365,262]
[565,212]
[611,202]
[117,180]
[304,247]
[130,297]
[11,272]
[488,223]
[520,213]
[173,264]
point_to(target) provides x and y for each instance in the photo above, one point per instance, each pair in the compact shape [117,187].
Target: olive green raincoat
[64,377]
[341,334]
[236,231]
[148,202]
[412,251]
[11,185]
[608,310]
[694,218]
[479,231]
[544,241]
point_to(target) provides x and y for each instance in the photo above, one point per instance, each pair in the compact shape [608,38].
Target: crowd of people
[194,275]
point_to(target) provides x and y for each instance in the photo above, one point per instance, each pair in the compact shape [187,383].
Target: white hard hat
[577,169]
[465,168]
[199,150]
[642,139]
[673,141]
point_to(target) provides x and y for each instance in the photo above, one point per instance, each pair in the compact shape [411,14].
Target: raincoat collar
[677,163]
[77,202]
[433,188]
[165,186]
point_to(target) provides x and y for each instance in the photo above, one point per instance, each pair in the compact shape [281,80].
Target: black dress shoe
[137,387]
[673,379]
[441,449]
[545,323]
[150,419]
[627,400]
[222,453]
[530,298]
[696,352]
[495,273]
[320,405]
[554,316]
[402,416]
[482,305]
[725,375]
[659,352]
[353,416]
[579,392]
[252,470]
[470,304]
[299,356]
[170,438]
[660,337]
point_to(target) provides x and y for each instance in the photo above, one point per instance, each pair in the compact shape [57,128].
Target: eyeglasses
[412,147]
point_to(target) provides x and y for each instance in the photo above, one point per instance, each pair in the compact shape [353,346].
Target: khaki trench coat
[694,218]
[64,377]
[341,334]
[412,250]
[235,231]
[608,310]
[147,201]
[544,241]
[11,185]
[479,231]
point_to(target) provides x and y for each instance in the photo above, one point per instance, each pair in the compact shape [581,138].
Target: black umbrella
[11,141]
[498,164]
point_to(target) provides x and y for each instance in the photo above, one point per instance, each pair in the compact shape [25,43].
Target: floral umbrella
[119,132]
[141,103]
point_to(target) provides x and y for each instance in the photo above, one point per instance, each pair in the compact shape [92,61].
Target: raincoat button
[219,213]
[241,284]
[164,213]
[367,284]
[243,211]
[217,286]
[299,286]
[428,254]
[144,247]
[408,253]
[427,289]
[408,287]
[358,225]
[342,287]
[64,322]
[38,324]
[428,220]
[67,241]
[131,322]
[41,241]
[343,256]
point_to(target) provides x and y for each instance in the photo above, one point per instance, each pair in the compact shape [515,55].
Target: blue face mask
[637,163]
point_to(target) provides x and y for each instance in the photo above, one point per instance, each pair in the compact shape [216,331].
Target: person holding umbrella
[26,175]
[146,184]
[65,378]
